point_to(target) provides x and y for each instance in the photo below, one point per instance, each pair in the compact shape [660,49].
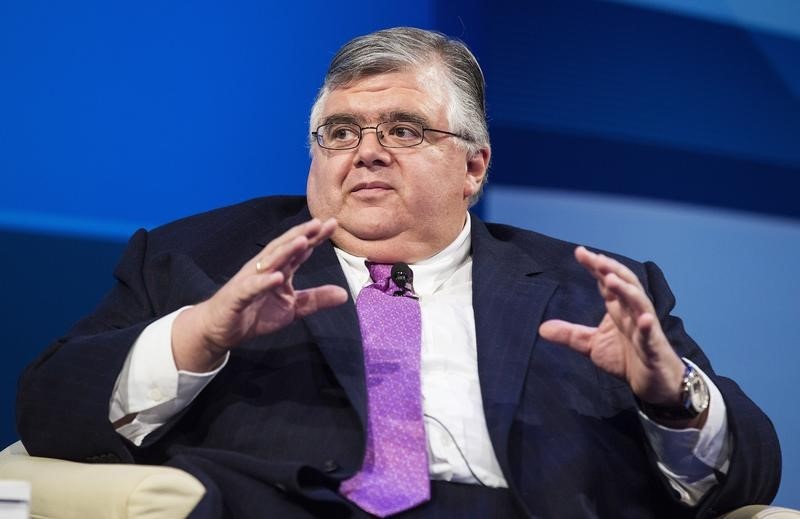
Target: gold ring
[259,268]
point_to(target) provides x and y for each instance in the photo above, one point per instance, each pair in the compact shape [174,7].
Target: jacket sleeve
[63,396]
[755,466]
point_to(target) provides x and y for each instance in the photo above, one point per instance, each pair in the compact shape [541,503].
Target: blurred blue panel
[782,56]
[588,162]
[773,25]
[141,113]
[623,72]
[780,16]
[734,275]
[36,223]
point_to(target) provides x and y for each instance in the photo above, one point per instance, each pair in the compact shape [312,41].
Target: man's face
[394,204]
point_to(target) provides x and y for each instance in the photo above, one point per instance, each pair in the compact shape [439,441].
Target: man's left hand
[629,342]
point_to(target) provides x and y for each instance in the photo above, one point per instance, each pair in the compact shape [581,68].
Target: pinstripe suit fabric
[277,430]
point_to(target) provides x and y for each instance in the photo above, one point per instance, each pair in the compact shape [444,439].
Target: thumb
[575,336]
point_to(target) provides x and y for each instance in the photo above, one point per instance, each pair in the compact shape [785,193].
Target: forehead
[421,92]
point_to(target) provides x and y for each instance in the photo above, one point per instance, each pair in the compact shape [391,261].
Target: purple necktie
[394,476]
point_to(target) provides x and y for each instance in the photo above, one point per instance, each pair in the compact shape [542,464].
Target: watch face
[695,399]
[698,394]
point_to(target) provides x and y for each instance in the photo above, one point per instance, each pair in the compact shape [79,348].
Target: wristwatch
[694,399]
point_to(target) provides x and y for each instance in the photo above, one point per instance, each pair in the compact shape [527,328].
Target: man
[242,346]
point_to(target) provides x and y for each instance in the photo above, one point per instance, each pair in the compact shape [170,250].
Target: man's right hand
[258,300]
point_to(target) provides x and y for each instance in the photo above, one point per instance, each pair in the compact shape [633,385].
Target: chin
[370,230]
[372,223]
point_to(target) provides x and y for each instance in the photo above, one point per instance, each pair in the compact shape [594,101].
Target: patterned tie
[394,476]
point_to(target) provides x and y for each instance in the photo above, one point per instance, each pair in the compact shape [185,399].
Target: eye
[404,131]
[340,133]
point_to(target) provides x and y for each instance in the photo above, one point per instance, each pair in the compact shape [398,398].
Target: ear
[477,166]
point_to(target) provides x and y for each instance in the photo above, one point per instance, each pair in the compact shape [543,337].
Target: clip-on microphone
[402,276]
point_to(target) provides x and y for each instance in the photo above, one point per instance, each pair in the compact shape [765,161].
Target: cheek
[317,193]
[324,185]
[448,184]
[321,175]
[312,183]
[334,164]
[434,173]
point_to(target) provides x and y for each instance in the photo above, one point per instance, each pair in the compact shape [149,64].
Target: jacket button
[106,457]
[329,466]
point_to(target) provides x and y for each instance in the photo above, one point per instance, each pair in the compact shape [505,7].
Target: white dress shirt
[459,447]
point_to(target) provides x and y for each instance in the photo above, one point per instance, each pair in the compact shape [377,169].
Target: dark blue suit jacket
[283,423]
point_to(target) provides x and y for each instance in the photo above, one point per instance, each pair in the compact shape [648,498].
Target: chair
[69,490]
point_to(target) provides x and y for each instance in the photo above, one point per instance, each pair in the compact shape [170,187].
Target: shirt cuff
[689,457]
[151,386]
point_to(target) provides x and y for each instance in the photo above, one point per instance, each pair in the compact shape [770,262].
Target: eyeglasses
[392,134]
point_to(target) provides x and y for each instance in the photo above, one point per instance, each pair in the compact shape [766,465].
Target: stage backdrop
[662,129]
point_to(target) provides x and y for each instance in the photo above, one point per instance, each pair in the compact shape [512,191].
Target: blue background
[662,129]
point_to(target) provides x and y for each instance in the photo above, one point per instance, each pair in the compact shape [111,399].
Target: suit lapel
[335,330]
[509,300]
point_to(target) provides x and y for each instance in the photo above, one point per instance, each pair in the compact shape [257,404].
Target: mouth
[371,187]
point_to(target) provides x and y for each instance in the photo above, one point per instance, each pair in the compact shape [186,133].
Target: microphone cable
[460,452]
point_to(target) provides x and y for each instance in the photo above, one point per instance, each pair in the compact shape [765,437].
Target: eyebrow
[397,115]
[342,118]
[407,116]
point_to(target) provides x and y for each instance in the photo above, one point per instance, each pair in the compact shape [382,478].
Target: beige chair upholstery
[69,490]
[762,512]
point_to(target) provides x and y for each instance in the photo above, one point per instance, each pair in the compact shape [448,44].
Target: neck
[402,247]
[389,250]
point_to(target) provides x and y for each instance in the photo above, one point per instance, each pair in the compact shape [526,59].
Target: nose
[370,152]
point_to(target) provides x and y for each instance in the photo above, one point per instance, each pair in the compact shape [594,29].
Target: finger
[616,306]
[299,259]
[607,294]
[650,338]
[307,229]
[575,336]
[630,295]
[276,256]
[282,257]
[318,231]
[325,231]
[318,298]
[610,273]
[255,286]
[646,324]
[600,265]
[592,262]
[589,260]
[293,262]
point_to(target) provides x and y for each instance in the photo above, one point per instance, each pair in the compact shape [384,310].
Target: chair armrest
[69,490]
[762,512]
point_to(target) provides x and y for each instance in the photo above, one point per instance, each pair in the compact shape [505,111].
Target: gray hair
[406,48]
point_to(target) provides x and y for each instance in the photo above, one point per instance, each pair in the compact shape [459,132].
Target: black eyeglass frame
[318,137]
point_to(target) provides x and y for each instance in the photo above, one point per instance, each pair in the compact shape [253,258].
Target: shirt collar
[430,273]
